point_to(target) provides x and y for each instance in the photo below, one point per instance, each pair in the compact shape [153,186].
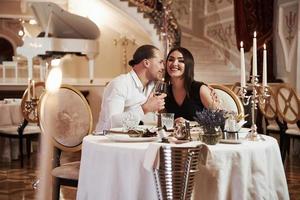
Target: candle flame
[242,44]
[265,46]
[254,33]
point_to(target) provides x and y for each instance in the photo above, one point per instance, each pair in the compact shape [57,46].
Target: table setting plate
[127,138]
[226,141]
[122,131]
[244,130]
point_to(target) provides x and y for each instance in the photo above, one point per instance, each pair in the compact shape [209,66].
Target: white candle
[243,78]
[33,89]
[265,66]
[28,89]
[91,70]
[254,59]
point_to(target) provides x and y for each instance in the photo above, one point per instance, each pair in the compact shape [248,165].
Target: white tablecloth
[251,170]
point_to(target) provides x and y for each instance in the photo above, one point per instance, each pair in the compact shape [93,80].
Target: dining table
[11,116]
[240,170]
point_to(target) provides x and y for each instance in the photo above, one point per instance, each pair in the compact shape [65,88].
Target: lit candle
[33,89]
[243,78]
[254,59]
[28,89]
[265,66]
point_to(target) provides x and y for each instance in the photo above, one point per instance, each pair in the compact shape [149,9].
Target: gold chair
[273,121]
[29,108]
[236,88]
[66,117]
[175,176]
[288,106]
[229,100]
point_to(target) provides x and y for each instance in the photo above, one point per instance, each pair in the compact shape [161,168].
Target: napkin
[151,160]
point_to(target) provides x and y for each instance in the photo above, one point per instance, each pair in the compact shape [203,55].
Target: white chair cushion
[272,125]
[292,132]
[292,129]
[67,171]
[30,129]
[13,130]
[12,101]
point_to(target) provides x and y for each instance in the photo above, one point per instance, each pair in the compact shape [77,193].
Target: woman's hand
[215,98]
[209,97]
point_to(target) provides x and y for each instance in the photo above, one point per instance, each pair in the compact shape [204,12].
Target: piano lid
[63,24]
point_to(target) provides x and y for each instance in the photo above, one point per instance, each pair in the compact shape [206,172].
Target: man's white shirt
[124,96]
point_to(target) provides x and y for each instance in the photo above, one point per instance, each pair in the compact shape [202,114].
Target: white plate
[225,141]
[140,127]
[126,138]
[244,130]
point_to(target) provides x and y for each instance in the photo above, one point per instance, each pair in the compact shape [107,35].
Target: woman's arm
[208,97]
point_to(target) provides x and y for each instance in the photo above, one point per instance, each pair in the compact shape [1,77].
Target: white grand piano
[64,33]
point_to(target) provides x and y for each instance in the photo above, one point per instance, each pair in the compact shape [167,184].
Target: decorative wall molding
[9,29]
[136,16]
[287,30]
[183,11]
[222,34]
[217,6]
[24,4]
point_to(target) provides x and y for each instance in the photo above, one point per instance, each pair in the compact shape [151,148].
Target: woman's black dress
[190,105]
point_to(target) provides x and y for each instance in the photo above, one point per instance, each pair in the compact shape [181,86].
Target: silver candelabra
[31,109]
[255,98]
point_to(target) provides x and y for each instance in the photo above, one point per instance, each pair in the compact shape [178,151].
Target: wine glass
[160,87]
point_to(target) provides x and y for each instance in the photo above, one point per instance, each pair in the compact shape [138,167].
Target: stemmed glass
[160,87]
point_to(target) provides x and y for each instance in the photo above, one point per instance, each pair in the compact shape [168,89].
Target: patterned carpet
[16,183]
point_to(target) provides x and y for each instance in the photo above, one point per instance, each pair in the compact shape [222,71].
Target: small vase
[211,139]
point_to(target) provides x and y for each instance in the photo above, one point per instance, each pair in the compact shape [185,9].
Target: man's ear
[146,63]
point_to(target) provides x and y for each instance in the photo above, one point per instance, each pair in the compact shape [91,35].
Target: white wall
[286,41]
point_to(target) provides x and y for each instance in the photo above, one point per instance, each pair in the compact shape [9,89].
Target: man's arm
[113,106]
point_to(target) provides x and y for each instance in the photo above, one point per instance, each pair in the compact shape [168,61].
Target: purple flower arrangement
[211,119]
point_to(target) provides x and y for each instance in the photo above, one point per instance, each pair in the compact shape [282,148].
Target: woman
[185,95]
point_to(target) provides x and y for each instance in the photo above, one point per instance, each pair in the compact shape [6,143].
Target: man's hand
[154,103]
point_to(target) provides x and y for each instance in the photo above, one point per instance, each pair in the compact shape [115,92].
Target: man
[131,94]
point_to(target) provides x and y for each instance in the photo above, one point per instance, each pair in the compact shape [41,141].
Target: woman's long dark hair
[188,74]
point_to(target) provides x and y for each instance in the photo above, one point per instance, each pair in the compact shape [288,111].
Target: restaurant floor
[16,183]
